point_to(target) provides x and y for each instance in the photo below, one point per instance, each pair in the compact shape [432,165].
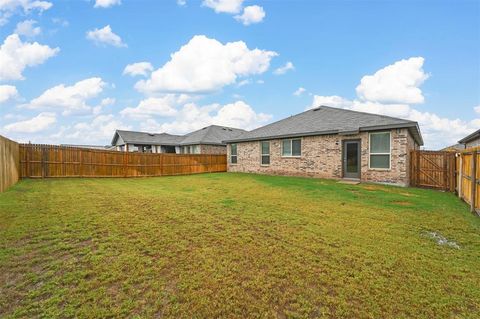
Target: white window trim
[262,155]
[291,148]
[370,152]
[230,155]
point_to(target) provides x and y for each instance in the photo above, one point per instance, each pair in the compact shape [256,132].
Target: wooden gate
[468,178]
[433,169]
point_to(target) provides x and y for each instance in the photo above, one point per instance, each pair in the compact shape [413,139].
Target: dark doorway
[351,159]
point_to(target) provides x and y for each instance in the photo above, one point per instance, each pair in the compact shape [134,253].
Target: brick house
[471,140]
[208,140]
[329,142]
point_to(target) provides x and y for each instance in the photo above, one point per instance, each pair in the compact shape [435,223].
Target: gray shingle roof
[328,120]
[213,135]
[147,138]
[470,137]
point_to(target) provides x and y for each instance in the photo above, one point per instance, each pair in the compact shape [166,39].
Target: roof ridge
[149,133]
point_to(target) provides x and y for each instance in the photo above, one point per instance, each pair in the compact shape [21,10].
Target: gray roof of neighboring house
[470,137]
[454,147]
[325,120]
[146,138]
[98,147]
[212,135]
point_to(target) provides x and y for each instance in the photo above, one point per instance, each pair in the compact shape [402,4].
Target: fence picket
[57,161]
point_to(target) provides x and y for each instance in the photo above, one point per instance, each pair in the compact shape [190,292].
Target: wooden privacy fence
[468,178]
[433,169]
[9,160]
[42,161]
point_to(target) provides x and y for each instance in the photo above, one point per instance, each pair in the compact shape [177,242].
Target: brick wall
[213,149]
[322,157]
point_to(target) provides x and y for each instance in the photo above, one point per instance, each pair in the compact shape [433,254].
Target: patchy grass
[234,245]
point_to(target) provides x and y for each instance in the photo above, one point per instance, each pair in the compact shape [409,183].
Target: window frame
[262,154]
[291,147]
[370,152]
[236,154]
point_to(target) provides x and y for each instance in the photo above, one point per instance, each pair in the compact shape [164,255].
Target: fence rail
[9,159]
[43,161]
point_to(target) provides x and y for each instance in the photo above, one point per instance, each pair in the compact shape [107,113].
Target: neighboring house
[454,148]
[208,140]
[95,147]
[330,143]
[471,140]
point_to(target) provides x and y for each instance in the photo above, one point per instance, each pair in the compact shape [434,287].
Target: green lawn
[234,246]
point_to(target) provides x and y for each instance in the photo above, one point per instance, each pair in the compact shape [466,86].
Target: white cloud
[7,92]
[69,99]
[251,15]
[299,91]
[10,7]
[332,100]
[98,131]
[192,117]
[105,36]
[395,83]
[103,104]
[477,109]
[139,68]
[205,65]
[181,2]
[28,28]
[16,55]
[243,82]
[437,131]
[61,22]
[284,69]
[153,106]
[106,3]
[224,6]
[39,123]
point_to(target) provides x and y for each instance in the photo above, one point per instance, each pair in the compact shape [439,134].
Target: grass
[236,246]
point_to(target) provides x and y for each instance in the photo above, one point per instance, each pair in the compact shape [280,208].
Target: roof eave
[281,136]
[470,137]
[410,125]
[203,143]
[361,129]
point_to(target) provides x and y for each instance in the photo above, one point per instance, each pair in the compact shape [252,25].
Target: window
[233,153]
[196,149]
[292,147]
[265,152]
[380,150]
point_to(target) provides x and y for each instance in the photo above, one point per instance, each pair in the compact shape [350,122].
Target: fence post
[80,170]
[43,161]
[417,168]
[460,175]
[445,172]
[474,180]
[125,159]
[161,164]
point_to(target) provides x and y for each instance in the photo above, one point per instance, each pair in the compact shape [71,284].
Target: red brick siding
[322,157]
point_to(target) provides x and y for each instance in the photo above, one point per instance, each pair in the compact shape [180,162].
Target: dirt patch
[441,240]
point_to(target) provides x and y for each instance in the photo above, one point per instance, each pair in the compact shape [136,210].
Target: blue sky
[233,62]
